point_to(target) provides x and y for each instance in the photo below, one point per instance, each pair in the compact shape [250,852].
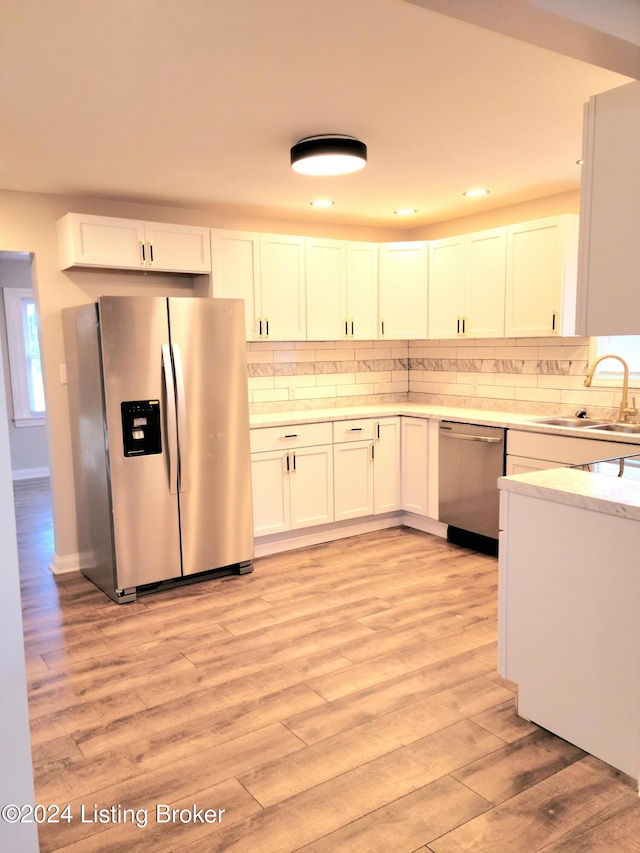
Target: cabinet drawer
[361,430]
[564,449]
[290,436]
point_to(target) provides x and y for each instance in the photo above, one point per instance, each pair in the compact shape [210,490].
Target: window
[609,371]
[27,388]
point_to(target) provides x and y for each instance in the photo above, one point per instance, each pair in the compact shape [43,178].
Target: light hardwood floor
[341,698]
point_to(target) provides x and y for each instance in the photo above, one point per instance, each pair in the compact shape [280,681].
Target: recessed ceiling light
[474,193]
[322,202]
[328,154]
[405,211]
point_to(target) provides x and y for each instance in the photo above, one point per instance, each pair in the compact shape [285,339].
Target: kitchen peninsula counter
[568,601]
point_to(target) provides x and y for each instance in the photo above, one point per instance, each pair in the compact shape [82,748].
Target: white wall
[16,774]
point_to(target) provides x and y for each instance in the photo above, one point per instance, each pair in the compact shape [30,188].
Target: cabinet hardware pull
[291,435]
[294,461]
[288,463]
[383,327]
[471,437]
[553,321]
[373,452]
[354,429]
[464,325]
[346,327]
[260,324]
[352,327]
[378,431]
[142,253]
[267,325]
[458,329]
[150,252]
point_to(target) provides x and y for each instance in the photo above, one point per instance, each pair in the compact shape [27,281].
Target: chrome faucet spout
[625,408]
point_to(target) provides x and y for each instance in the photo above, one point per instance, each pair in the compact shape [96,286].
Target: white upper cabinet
[235,273]
[104,241]
[403,277]
[467,285]
[326,283]
[608,293]
[541,277]
[282,286]
[486,284]
[447,262]
[362,291]
[267,271]
[341,279]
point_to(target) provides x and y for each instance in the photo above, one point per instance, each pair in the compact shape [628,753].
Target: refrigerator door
[145,513]
[209,350]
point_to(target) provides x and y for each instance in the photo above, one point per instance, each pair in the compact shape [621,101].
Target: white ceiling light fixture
[405,211]
[328,154]
[322,202]
[475,193]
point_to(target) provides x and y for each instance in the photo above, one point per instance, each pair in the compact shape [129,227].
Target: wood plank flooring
[341,698]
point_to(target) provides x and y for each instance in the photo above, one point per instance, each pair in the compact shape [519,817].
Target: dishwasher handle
[466,437]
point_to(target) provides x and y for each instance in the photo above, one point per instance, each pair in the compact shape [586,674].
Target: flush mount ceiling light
[328,154]
[405,211]
[475,193]
[322,202]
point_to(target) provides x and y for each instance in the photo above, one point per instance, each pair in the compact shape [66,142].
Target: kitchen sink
[619,427]
[574,422]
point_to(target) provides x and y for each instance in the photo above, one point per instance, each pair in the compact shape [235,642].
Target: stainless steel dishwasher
[471,458]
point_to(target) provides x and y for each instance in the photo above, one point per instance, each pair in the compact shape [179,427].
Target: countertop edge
[578,488]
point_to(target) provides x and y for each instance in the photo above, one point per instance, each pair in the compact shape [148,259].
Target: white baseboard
[29,473]
[65,565]
[267,545]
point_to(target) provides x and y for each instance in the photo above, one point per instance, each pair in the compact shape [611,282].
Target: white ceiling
[196,104]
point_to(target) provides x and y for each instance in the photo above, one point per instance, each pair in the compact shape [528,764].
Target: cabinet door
[326,274]
[537,264]
[178,248]
[403,275]
[608,293]
[270,492]
[446,287]
[282,286]
[486,284]
[101,241]
[235,273]
[353,479]
[387,491]
[524,465]
[415,479]
[311,486]
[362,290]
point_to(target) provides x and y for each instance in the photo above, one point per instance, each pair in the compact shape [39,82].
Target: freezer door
[208,343]
[133,331]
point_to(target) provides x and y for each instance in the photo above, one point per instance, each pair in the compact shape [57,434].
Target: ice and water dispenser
[141,427]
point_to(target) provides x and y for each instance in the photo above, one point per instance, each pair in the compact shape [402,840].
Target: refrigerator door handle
[172,436]
[182,416]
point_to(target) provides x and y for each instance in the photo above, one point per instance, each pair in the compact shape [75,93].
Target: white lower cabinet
[292,477]
[367,476]
[415,465]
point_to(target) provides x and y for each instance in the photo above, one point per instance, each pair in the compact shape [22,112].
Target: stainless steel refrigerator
[160,437]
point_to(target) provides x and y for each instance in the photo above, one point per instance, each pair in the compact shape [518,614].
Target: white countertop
[575,487]
[486,417]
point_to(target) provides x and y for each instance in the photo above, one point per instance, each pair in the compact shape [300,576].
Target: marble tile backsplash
[307,375]
[544,375]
